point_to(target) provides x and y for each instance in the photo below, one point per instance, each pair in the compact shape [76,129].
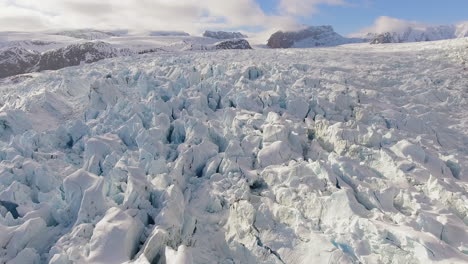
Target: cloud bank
[306,7]
[192,16]
[389,24]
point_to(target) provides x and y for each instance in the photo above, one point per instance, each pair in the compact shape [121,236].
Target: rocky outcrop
[384,38]
[233,44]
[76,54]
[308,37]
[16,60]
[223,35]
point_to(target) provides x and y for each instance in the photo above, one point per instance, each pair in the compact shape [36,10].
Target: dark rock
[233,44]
[76,54]
[223,35]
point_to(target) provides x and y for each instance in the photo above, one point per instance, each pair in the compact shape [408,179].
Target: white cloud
[17,19]
[306,7]
[389,24]
[187,15]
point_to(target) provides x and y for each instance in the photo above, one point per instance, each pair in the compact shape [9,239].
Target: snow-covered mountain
[76,54]
[350,154]
[87,34]
[419,33]
[44,52]
[223,35]
[33,45]
[312,36]
[35,41]
[461,30]
[17,60]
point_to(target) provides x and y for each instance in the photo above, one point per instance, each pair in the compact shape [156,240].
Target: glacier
[349,154]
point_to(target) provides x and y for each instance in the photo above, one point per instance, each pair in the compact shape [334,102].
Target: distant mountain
[233,44]
[17,60]
[386,37]
[76,54]
[27,44]
[419,34]
[461,30]
[87,34]
[28,56]
[223,35]
[169,33]
[313,36]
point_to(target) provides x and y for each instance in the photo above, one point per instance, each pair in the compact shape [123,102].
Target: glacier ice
[351,154]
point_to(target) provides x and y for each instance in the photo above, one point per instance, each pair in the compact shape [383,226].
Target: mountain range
[54,51]
[315,36]
[22,52]
[418,34]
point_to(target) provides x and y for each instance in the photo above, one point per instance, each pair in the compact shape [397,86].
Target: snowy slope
[461,30]
[168,33]
[19,55]
[16,60]
[46,41]
[313,36]
[140,43]
[419,33]
[87,34]
[34,41]
[351,154]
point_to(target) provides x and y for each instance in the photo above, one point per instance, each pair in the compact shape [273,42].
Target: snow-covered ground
[351,154]
[166,43]
[45,41]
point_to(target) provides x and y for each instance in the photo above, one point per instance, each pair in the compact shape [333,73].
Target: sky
[195,16]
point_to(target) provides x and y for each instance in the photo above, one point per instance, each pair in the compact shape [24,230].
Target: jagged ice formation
[352,154]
